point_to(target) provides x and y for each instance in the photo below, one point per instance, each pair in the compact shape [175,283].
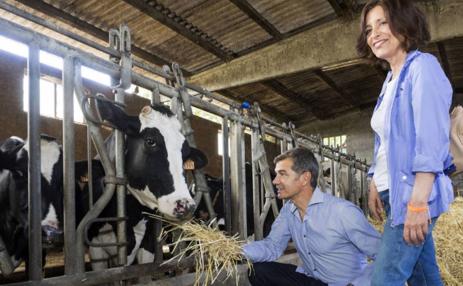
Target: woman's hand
[416,224]
[374,202]
[417,220]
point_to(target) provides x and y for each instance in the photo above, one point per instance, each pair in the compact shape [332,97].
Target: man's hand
[416,226]
[374,202]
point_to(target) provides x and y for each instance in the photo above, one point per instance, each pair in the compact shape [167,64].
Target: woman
[411,124]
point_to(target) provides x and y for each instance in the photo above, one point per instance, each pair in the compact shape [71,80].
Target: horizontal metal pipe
[25,35]
[110,275]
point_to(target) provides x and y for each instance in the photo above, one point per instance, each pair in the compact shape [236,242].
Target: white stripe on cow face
[170,129]
[51,219]
[139,231]
[50,152]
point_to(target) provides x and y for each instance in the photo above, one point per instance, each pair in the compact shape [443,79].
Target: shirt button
[404,178]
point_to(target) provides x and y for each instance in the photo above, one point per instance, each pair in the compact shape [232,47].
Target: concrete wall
[14,121]
[356,126]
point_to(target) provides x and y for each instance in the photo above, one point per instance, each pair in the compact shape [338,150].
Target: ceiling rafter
[336,7]
[75,22]
[291,95]
[170,19]
[252,13]
[348,97]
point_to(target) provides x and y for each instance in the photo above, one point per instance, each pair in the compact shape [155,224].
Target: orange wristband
[416,209]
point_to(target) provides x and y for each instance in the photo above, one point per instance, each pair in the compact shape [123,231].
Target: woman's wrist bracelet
[416,209]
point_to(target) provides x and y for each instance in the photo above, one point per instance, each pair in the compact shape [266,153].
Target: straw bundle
[448,239]
[214,252]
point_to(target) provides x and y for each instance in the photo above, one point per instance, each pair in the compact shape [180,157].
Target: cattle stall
[235,121]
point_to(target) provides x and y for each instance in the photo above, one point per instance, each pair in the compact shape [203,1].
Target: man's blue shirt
[333,240]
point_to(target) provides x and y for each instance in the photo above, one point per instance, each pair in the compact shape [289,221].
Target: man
[331,235]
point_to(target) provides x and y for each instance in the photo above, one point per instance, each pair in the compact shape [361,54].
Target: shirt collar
[317,198]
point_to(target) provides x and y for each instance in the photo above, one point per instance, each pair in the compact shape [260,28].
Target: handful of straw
[215,253]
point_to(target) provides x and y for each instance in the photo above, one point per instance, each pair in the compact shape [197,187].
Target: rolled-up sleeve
[431,100]
[271,247]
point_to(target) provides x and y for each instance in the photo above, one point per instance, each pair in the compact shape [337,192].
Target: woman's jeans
[397,262]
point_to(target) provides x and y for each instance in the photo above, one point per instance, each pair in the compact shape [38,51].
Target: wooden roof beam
[336,7]
[179,25]
[326,79]
[252,13]
[290,95]
[331,43]
[75,22]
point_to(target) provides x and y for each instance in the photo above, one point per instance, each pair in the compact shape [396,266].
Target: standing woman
[411,124]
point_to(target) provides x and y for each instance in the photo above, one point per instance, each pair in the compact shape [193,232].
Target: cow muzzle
[52,237]
[184,209]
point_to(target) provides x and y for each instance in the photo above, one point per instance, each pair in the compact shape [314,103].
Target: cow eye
[151,142]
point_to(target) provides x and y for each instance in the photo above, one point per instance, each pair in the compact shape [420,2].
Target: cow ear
[9,156]
[130,125]
[198,157]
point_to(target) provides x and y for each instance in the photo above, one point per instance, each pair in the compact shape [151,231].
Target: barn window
[51,99]
[220,143]
[336,141]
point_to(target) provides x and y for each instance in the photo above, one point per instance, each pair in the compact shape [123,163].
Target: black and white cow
[154,156]
[14,197]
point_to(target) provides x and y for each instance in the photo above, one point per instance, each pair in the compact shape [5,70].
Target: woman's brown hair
[405,20]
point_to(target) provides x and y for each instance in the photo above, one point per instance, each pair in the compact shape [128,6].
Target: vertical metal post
[226,176]
[89,167]
[34,187]
[333,182]
[120,189]
[238,183]
[256,194]
[69,168]
[158,254]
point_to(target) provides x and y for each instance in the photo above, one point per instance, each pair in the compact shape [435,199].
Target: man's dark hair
[303,161]
[404,19]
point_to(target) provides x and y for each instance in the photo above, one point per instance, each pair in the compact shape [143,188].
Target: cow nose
[52,236]
[184,209]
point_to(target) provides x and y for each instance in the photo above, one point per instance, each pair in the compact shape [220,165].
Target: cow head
[13,187]
[154,155]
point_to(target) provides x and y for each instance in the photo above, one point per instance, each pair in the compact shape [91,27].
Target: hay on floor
[448,239]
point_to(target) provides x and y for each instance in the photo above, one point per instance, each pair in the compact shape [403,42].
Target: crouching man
[332,236]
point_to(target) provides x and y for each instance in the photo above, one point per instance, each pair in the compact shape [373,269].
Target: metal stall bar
[226,176]
[181,105]
[333,184]
[34,184]
[108,168]
[238,179]
[24,35]
[261,169]
[120,41]
[69,167]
